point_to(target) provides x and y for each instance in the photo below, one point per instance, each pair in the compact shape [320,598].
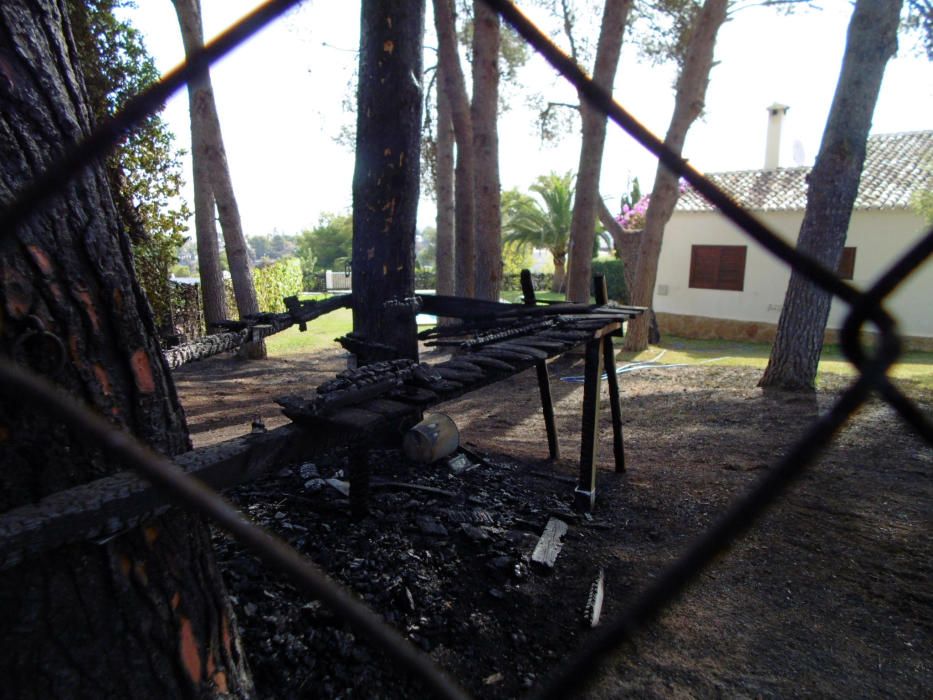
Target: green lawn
[321,332]
[913,366]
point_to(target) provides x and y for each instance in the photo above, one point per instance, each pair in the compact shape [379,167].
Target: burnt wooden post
[386,176]
[544,381]
[612,379]
[585,493]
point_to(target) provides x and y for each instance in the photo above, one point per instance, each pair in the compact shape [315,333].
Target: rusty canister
[432,439]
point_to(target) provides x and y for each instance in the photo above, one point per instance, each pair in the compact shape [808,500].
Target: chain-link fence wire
[866,307]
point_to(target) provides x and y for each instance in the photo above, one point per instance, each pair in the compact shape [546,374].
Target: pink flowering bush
[632,217]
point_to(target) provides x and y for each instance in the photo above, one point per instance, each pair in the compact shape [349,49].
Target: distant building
[715,282]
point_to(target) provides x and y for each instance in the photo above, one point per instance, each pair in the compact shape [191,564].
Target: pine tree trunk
[455,86]
[444,189]
[208,147]
[586,197]
[688,105]
[145,614]
[213,295]
[833,185]
[488,231]
[386,178]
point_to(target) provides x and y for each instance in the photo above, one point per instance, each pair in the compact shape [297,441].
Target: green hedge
[615,279]
[275,282]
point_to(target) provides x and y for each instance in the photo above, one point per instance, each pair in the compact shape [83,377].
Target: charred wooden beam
[202,348]
[378,401]
[105,507]
[612,381]
[253,327]
[585,493]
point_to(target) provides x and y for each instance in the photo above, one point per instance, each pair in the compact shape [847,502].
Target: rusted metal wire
[865,307]
[187,491]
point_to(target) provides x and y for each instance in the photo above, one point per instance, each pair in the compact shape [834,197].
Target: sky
[284,97]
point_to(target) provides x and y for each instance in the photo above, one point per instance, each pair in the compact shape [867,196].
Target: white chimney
[776,114]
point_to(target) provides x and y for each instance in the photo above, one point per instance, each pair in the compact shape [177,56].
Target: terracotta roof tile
[896,165]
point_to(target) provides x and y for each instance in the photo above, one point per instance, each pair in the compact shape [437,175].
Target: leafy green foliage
[612,270]
[268,249]
[919,22]
[543,222]
[276,281]
[326,244]
[145,170]
[426,249]
[515,259]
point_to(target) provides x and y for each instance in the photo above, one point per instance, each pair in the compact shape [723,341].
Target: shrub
[612,270]
[275,282]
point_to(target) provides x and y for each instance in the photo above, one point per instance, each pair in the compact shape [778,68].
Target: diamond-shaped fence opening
[865,307]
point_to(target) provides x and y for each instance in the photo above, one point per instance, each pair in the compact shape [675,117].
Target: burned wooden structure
[365,407]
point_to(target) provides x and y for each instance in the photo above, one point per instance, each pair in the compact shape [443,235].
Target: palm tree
[526,221]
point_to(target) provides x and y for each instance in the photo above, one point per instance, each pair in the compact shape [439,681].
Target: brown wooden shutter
[704,266]
[731,268]
[717,267]
[846,269]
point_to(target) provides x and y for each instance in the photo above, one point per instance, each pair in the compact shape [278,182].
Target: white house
[716,282]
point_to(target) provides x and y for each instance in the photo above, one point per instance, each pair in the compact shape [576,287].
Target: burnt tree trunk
[833,185]
[444,189]
[688,105]
[586,197]
[484,113]
[145,614]
[386,176]
[464,206]
[208,148]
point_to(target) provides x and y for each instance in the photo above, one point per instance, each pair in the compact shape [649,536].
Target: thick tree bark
[143,615]
[386,178]
[208,147]
[455,86]
[444,189]
[213,296]
[688,105]
[586,197]
[833,185]
[488,216]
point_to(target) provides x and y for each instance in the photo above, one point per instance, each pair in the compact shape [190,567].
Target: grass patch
[913,366]
[320,334]
[515,296]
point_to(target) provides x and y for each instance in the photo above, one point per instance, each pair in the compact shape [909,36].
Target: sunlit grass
[320,334]
[916,367]
[913,366]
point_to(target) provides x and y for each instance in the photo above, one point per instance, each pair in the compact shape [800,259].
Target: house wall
[879,238]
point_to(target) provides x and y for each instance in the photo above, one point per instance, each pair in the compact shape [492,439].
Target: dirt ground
[831,595]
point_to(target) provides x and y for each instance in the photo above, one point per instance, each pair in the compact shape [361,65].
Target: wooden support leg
[585,493]
[612,379]
[359,482]
[544,385]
